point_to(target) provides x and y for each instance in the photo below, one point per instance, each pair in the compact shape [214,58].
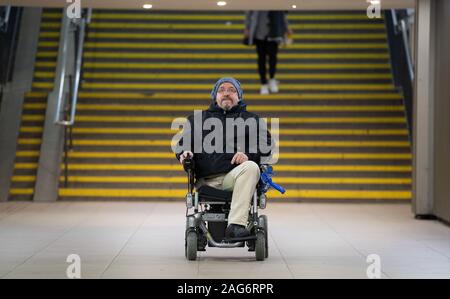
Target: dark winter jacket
[209,164]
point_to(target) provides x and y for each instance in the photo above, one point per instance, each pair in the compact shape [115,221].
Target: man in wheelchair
[228,182]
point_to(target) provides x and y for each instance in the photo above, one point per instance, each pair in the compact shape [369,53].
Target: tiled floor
[146,240]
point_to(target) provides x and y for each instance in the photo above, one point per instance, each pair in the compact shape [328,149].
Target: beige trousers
[242,181]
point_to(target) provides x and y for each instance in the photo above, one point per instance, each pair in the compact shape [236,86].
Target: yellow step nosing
[23,178]
[180,193]
[110,75]
[286,87]
[355,144]
[342,120]
[184,26]
[21,191]
[183,179]
[27,154]
[303,45]
[221,66]
[215,66]
[93,130]
[219,56]
[229,17]
[254,108]
[222,56]
[49,34]
[169,95]
[345,156]
[97,17]
[177,167]
[322,108]
[283,155]
[223,36]
[203,96]
[284,120]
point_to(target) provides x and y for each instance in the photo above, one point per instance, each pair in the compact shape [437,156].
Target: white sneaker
[264,89]
[273,85]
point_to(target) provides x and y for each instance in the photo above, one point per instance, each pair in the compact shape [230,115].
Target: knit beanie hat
[233,81]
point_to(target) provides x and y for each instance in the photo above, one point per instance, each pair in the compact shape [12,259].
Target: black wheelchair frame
[206,225]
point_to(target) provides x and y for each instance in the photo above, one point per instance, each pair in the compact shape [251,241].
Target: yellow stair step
[283,155]
[219,56]
[271,108]
[255,87]
[284,120]
[167,143]
[215,66]
[183,179]
[229,17]
[222,36]
[248,97]
[303,45]
[177,167]
[368,132]
[174,76]
[224,26]
[180,193]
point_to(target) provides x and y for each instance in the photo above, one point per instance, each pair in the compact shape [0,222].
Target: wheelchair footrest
[232,240]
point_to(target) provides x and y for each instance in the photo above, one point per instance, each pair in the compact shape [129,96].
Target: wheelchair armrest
[188,164]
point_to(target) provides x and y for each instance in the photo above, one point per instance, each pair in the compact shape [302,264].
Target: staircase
[29,142]
[343,132]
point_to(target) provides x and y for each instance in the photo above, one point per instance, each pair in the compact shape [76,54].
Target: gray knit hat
[233,81]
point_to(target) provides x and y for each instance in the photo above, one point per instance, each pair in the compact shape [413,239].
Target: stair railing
[4,19]
[397,25]
[68,81]
[401,27]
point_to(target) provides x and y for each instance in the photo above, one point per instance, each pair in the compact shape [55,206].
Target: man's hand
[184,155]
[239,158]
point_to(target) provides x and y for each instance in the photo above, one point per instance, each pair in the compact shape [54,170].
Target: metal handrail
[71,80]
[5,20]
[89,16]
[400,26]
[78,63]
[61,67]
[407,51]
[394,20]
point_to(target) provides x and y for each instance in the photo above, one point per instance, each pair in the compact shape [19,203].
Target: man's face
[227,96]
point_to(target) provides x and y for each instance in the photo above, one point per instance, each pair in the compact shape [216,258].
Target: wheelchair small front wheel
[191,246]
[260,246]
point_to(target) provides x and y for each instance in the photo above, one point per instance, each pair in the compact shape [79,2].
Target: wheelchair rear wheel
[191,246]
[264,225]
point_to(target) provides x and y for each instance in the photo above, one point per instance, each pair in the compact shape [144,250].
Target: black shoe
[236,231]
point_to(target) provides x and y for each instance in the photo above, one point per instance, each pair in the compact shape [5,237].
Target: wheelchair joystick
[266,180]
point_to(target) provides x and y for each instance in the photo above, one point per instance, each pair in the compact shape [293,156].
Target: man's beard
[227,106]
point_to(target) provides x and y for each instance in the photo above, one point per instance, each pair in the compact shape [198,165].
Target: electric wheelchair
[206,225]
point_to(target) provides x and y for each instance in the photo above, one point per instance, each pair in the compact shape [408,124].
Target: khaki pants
[242,181]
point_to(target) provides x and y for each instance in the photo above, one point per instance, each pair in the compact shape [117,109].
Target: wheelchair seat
[207,193]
